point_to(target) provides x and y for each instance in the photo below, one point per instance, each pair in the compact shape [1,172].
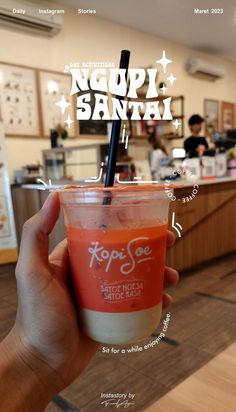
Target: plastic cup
[117,247]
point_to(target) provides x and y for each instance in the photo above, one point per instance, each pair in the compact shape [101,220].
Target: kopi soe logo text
[114,81]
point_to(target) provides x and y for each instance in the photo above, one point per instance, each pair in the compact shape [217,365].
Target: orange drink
[117,257]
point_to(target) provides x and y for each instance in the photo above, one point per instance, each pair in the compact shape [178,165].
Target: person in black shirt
[191,143]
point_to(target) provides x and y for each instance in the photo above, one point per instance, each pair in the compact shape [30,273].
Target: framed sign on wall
[57,105]
[19,100]
[93,127]
[8,244]
[227,116]
[211,115]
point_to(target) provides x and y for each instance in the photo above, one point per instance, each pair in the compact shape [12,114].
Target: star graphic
[164,61]
[171,79]
[63,104]
[68,121]
[176,123]
[164,88]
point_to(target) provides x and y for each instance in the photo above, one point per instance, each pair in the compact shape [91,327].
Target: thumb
[35,236]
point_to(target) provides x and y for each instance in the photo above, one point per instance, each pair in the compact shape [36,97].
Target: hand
[46,322]
[46,328]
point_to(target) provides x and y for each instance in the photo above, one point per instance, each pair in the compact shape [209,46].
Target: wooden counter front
[8,256]
[209,224]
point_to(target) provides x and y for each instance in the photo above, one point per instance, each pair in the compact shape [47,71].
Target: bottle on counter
[193,167]
[158,156]
[231,163]
[221,163]
[208,164]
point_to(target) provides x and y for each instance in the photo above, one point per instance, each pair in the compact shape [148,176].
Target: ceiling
[173,20]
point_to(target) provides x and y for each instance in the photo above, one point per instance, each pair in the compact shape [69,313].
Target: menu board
[53,87]
[7,224]
[18,100]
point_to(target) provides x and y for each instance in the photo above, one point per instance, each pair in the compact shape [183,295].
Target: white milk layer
[121,328]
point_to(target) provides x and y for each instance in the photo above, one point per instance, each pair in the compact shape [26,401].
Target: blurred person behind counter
[192,143]
[157,155]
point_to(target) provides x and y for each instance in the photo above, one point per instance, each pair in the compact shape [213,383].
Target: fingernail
[48,200]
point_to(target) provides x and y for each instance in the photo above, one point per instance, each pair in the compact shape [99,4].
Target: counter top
[184,182]
[202,182]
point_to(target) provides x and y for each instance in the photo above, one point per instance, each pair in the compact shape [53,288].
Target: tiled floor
[203,323]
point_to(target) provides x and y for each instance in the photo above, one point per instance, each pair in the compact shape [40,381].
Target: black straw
[115,131]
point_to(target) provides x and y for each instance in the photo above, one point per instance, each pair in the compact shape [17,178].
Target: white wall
[90,38]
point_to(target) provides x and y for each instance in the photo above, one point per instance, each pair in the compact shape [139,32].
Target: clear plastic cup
[117,247]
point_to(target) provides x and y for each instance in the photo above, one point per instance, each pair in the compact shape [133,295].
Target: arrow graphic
[176,225]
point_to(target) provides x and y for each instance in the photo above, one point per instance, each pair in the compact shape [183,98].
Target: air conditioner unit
[32,21]
[204,70]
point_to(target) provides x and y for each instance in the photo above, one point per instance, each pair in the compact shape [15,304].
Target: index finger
[170,238]
[36,231]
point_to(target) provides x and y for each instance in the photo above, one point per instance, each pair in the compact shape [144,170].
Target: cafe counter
[205,210]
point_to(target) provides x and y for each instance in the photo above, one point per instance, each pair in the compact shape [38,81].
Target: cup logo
[118,270]
[129,256]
